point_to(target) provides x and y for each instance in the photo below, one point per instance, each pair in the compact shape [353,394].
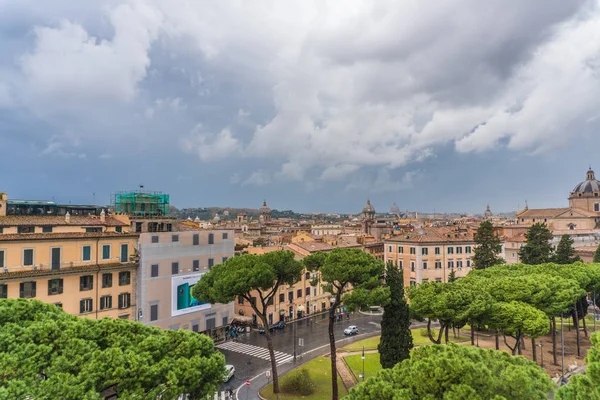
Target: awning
[242,319]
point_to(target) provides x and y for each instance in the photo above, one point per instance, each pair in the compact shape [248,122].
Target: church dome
[368,208]
[265,209]
[589,186]
[394,209]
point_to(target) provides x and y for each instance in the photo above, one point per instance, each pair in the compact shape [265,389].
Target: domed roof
[368,208]
[488,212]
[589,186]
[394,209]
[265,209]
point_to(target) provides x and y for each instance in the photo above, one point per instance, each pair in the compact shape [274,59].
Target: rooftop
[434,235]
[63,236]
[54,220]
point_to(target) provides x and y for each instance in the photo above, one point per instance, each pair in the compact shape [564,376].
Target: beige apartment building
[84,264]
[170,264]
[430,254]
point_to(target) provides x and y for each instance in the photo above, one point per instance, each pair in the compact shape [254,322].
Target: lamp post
[541,346]
[562,344]
[294,342]
[363,360]
[594,305]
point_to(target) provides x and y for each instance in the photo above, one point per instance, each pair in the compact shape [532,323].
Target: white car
[351,330]
[229,371]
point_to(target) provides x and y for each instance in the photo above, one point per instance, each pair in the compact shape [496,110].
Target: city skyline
[314,107]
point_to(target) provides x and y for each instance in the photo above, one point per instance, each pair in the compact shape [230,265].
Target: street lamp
[541,346]
[363,360]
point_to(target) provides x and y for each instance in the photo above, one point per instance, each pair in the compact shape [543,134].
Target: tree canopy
[565,252]
[488,247]
[256,279]
[597,254]
[457,372]
[585,386]
[537,249]
[46,353]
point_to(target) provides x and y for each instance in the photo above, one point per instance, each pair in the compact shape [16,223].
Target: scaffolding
[140,203]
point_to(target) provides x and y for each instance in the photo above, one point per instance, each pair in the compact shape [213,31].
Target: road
[251,358]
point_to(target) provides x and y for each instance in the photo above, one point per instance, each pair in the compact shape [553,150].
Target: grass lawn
[320,371]
[418,340]
[355,363]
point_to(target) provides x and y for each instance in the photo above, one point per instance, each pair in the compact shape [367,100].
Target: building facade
[430,254]
[170,264]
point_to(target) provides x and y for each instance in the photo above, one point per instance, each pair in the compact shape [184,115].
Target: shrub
[298,383]
[423,332]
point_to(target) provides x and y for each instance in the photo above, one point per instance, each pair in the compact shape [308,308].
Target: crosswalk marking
[255,351]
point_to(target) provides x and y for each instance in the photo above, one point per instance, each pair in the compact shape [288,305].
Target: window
[424,251]
[169,227]
[400,249]
[308,291]
[413,251]
[86,253]
[55,258]
[281,297]
[458,250]
[307,276]
[138,228]
[459,264]
[468,249]
[105,302]
[413,283]
[299,293]
[154,270]
[196,239]
[96,230]
[224,237]
[400,263]
[195,328]
[85,306]
[390,249]
[1,229]
[3,291]
[46,229]
[155,239]
[86,282]
[270,301]
[211,238]
[55,286]
[196,265]
[124,252]
[27,290]
[450,250]
[124,300]
[106,252]
[124,278]
[28,257]
[468,263]
[597,207]
[1,258]
[59,305]
[154,312]
[290,297]
[174,238]
[450,264]
[224,259]
[26,229]
[412,265]
[240,300]
[107,280]
[424,265]
[437,250]
[211,262]
[438,265]
[119,229]
[174,268]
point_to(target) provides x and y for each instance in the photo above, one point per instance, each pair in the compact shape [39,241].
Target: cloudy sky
[313,105]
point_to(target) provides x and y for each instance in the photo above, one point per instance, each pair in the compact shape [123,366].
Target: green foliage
[585,386]
[396,337]
[80,357]
[538,249]
[597,255]
[452,277]
[457,372]
[298,383]
[488,247]
[565,252]
[423,332]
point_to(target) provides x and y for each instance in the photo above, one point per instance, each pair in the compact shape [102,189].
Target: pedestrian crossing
[255,351]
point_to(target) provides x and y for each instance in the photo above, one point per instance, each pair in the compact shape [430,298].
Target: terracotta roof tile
[46,271]
[64,236]
[434,235]
[52,220]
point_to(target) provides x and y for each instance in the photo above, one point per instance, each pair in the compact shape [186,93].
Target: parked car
[279,325]
[229,371]
[351,330]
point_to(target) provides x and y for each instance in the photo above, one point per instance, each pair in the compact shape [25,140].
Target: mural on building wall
[182,301]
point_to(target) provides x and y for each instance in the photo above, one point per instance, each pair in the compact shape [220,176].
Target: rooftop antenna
[141,185]
[94,198]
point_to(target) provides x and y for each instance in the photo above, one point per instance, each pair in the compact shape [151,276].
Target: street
[249,352]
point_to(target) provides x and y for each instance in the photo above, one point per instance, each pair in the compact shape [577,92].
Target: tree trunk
[553,328]
[519,350]
[513,350]
[333,353]
[497,340]
[472,334]
[439,339]
[523,343]
[271,356]
[454,331]
[533,350]
[576,326]
[585,332]
[446,335]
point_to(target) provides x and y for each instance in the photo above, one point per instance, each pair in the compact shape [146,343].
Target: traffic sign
[247,383]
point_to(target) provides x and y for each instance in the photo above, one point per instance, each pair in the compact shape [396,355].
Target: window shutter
[22,290]
[81,306]
[120,301]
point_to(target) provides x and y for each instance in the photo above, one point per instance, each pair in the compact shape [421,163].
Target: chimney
[102,216]
[68,218]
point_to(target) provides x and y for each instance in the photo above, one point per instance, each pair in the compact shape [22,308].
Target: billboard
[182,301]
